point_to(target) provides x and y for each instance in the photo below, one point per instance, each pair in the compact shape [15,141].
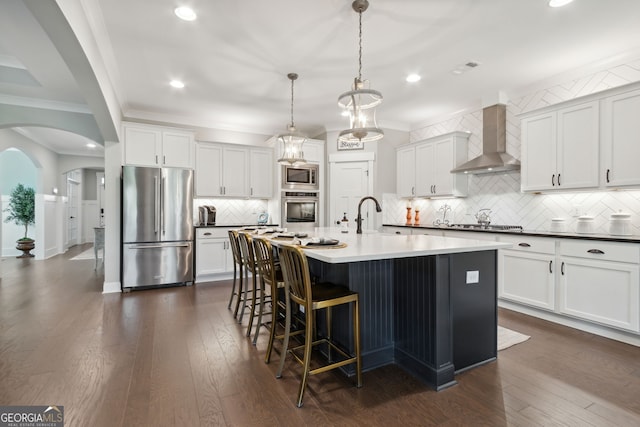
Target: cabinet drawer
[592,249]
[212,233]
[530,244]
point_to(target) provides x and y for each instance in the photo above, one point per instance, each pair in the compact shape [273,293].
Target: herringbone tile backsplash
[501,192]
[234,211]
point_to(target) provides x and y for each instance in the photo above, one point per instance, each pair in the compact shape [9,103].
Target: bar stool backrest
[235,247]
[264,259]
[295,270]
[246,250]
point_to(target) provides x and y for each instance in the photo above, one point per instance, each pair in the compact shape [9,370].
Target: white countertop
[377,246]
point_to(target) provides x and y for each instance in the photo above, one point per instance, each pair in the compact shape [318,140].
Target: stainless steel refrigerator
[157,226]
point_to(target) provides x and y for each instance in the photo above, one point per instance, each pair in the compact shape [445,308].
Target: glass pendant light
[361,102]
[292,140]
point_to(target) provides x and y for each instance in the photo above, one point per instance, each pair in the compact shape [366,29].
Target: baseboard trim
[111,287]
[583,325]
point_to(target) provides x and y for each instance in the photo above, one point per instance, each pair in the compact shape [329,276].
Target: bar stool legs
[319,296]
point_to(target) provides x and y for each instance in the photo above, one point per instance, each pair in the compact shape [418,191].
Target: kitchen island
[427,303]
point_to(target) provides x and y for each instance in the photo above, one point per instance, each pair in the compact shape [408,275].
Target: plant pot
[25,245]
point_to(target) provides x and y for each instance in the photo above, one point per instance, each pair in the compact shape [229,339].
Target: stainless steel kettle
[484,216]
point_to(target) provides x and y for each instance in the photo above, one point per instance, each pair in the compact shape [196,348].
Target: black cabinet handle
[608,171]
[397,232]
[558,180]
[595,251]
[553,180]
[524,245]
[207,234]
[550,266]
[562,268]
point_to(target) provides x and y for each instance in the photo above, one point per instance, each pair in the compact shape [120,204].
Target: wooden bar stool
[271,277]
[250,267]
[237,270]
[297,279]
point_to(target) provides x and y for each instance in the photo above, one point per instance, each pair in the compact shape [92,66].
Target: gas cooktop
[495,227]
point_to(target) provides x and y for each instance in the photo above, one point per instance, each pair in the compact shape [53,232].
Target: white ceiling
[235,57]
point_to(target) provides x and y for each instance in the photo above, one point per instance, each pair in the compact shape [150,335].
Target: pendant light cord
[292,125]
[360,47]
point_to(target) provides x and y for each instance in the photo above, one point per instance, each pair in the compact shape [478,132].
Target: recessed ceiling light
[185,13]
[559,3]
[177,84]
[412,78]
[91,145]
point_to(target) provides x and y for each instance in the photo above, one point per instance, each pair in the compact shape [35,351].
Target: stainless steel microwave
[303,177]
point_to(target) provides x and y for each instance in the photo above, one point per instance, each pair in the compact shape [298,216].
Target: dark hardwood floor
[176,357]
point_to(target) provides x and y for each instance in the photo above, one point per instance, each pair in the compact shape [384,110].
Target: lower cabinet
[600,282]
[526,273]
[214,258]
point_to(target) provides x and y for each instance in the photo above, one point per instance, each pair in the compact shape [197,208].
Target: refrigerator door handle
[162,190]
[156,203]
[165,245]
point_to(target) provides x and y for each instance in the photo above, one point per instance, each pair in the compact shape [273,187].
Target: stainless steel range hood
[494,157]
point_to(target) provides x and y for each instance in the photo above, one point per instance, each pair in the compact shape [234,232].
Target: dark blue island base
[431,315]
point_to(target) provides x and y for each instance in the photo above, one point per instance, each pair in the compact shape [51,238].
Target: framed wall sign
[355,145]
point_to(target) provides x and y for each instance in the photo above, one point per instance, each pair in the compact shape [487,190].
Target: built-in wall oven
[300,210]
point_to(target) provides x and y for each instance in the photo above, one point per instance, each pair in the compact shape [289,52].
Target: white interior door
[73,212]
[350,182]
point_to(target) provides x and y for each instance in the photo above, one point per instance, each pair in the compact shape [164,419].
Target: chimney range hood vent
[494,157]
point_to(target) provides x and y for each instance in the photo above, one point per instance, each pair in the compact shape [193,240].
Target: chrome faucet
[359,218]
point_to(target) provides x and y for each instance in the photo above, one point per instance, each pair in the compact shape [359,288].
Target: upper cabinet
[424,168]
[621,139]
[590,142]
[261,168]
[147,145]
[560,148]
[233,171]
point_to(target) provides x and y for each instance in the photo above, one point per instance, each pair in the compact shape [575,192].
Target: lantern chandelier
[360,103]
[292,140]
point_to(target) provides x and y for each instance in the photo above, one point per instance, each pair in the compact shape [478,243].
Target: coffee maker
[207,215]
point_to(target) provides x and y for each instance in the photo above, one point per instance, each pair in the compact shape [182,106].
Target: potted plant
[21,210]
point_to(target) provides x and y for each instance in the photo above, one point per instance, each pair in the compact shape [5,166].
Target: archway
[16,167]
[50,184]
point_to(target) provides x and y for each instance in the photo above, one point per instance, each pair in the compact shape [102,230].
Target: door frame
[361,156]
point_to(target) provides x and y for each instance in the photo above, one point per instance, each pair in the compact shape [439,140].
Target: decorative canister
[620,224]
[558,225]
[584,225]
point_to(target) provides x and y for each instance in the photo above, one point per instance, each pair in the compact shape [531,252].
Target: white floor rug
[88,254]
[508,338]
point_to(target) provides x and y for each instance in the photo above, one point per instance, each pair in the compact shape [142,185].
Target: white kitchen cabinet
[526,272]
[600,282]
[560,148]
[213,253]
[621,139]
[208,174]
[261,173]
[406,171]
[424,168]
[233,171]
[146,145]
